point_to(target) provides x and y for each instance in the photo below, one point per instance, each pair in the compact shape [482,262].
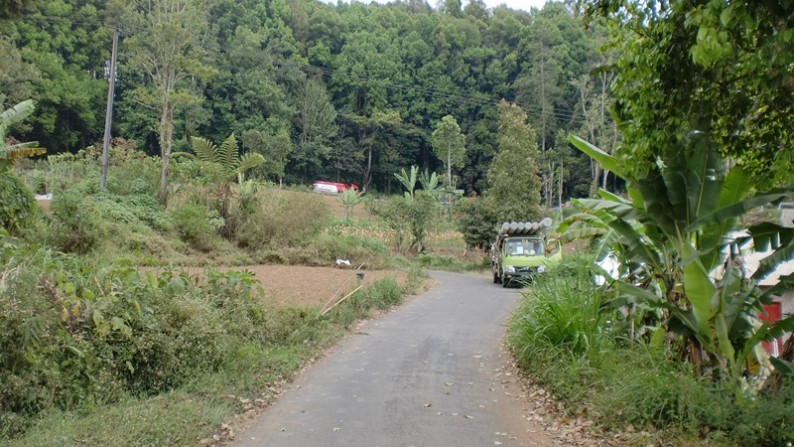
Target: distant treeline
[314,87]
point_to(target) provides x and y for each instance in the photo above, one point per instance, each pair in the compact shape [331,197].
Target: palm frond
[249,160]
[205,149]
[227,153]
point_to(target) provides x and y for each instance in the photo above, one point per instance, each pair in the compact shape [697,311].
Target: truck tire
[504,282]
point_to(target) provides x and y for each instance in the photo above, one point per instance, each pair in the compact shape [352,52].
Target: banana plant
[680,221]
[11,152]
[408,180]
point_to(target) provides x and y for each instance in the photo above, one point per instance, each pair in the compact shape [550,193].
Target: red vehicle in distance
[324,187]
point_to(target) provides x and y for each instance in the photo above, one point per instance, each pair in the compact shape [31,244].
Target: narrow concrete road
[429,374]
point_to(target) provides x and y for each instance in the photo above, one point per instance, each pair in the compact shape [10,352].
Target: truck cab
[522,251]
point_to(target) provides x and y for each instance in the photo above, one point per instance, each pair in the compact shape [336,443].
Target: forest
[347,92]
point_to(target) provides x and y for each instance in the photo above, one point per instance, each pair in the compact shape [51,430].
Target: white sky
[515,4]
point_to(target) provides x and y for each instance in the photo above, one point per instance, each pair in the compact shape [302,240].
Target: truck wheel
[504,282]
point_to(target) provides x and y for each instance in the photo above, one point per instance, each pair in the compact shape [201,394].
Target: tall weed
[561,311]
[284,219]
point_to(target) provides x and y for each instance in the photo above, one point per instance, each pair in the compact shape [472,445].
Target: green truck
[522,250]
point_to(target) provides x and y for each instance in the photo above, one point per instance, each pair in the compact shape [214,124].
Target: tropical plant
[17,207]
[348,200]
[408,180]
[429,182]
[13,151]
[225,164]
[680,223]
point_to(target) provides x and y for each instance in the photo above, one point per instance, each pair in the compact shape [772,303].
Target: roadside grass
[211,405]
[566,341]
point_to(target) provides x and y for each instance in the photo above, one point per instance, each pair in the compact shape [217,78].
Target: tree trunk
[166,130]
[367,172]
[449,168]
[545,176]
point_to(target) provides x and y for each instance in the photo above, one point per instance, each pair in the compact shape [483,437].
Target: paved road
[428,374]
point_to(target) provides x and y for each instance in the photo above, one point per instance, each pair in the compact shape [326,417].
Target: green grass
[561,340]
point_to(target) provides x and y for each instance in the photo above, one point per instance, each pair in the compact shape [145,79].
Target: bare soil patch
[301,286]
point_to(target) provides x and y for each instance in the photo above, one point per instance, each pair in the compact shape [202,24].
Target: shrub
[477,220]
[72,331]
[17,204]
[410,217]
[244,208]
[197,226]
[77,225]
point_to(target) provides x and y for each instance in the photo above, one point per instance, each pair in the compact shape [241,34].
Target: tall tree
[167,49]
[712,66]
[449,145]
[275,150]
[315,124]
[513,183]
[69,56]
[11,9]
[373,133]
[16,75]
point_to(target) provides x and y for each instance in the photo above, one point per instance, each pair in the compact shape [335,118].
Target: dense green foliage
[349,91]
[712,65]
[576,348]
[680,224]
[76,333]
[17,207]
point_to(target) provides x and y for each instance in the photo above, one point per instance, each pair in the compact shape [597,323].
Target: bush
[411,218]
[73,332]
[77,225]
[197,226]
[17,204]
[477,221]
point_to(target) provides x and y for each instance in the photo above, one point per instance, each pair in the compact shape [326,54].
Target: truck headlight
[541,269]
[510,269]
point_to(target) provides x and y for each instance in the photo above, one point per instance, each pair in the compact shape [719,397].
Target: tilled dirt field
[300,286]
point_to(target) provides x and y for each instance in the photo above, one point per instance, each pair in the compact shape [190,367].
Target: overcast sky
[515,4]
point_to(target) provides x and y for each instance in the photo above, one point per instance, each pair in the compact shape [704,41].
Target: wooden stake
[341,300]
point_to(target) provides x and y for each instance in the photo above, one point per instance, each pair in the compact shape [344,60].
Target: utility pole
[109,110]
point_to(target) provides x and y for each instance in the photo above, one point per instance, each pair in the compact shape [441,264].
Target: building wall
[787,303]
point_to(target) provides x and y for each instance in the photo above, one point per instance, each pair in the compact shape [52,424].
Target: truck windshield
[524,247]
